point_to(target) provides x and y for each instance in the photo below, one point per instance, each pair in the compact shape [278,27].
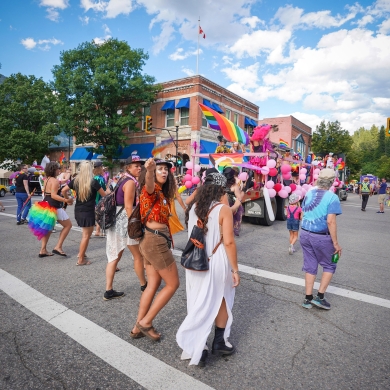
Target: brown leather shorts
[155,251]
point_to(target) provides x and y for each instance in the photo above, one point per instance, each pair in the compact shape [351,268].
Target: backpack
[105,210]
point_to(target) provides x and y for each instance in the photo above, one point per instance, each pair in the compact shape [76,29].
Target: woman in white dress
[210,294]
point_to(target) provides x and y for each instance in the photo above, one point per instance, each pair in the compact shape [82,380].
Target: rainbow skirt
[42,219]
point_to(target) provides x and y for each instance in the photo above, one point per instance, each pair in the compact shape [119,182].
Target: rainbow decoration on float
[223,160]
[160,147]
[229,130]
[42,219]
[283,144]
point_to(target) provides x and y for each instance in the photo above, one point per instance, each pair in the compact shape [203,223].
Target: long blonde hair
[83,181]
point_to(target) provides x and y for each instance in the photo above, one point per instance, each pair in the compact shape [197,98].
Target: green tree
[331,137]
[384,167]
[27,119]
[101,93]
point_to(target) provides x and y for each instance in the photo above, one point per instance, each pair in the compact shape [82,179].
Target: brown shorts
[155,251]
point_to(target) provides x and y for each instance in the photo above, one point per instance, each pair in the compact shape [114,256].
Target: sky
[316,60]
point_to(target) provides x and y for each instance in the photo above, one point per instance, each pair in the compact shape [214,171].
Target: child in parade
[294,216]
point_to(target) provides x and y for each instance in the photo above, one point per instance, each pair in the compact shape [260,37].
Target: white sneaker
[291,249]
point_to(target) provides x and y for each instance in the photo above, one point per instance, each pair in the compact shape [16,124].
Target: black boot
[202,361]
[219,347]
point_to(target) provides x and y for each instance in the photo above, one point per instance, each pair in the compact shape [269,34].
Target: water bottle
[335,257]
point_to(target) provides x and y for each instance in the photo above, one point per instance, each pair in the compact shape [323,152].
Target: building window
[184,116]
[204,121]
[300,146]
[227,114]
[235,118]
[170,118]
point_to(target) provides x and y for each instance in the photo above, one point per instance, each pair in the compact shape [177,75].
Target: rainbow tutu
[42,219]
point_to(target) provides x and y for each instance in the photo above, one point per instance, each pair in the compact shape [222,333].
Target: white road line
[297,281]
[121,355]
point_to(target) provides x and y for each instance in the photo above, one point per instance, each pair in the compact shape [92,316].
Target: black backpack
[105,210]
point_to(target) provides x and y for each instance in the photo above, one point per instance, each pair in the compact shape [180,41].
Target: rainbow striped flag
[160,147]
[283,144]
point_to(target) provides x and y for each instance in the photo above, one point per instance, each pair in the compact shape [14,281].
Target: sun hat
[133,159]
[97,164]
[159,161]
[327,174]
[294,198]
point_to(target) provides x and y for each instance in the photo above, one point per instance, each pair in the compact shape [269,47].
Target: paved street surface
[56,332]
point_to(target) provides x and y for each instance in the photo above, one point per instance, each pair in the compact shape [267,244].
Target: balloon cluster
[188,179]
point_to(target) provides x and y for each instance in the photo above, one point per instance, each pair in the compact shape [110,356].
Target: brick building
[297,134]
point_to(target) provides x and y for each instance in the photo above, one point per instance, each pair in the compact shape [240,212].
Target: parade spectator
[222,148]
[237,148]
[365,191]
[98,176]
[157,190]
[382,188]
[22,192]
[294,216]
[45,160]
[127,197]
[319,237]
[52,195]
[86,188]
[210,294]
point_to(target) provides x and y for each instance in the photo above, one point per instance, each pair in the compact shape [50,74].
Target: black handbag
[194,256]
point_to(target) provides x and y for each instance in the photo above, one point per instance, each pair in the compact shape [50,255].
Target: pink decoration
[270,184]
[187,177]
[188,184]
[265,170]
[272,193]
[335,183]
[283,193]
[315,176]
[317,171]
[277,187]
[286,176]
[302,176]
[332,189]
[287,189]
[273,172]
[293,187]
[243,176]
[285,168]
[189,172]
[189,165]
[271,163]
[303,170]
[197,168]
[195,180]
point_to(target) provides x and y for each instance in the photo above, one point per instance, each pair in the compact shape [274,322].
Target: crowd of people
[216,202]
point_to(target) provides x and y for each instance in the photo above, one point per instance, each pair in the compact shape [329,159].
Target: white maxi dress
[205,291]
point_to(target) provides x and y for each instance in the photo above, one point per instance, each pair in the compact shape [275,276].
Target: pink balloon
[341,183]
[189,165]
[197,168]
[195,180]
[287,189]
[315,176]
[271,163]
[303,170]
[187,178]
[243,176]
[317,171]
[270,184]
[285,168]
[302,176]
[305,187]
[265,170]
[272,193]
[283,193]
[303,192]
[188,184]
[332,189]
[286,176]
[189,172]
[299,188]
[335,183]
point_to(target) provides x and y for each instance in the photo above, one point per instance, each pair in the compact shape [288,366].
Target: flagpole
[197,55]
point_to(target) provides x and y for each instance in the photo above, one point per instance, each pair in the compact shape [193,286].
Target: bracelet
[234,272]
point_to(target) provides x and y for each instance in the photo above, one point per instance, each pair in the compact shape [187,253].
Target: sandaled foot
[45,254]
[149,332]
[137,335]
[84,263]
[57,252]
[117,269]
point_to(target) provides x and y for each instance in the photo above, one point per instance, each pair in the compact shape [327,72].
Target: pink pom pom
[195,180]
[243,176]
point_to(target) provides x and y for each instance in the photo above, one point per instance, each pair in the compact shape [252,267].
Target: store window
[204,121]
[227,114]
[170,121]
[235,118]
[184,116]
[300,146]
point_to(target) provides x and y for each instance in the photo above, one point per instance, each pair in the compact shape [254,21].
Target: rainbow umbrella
[229,130]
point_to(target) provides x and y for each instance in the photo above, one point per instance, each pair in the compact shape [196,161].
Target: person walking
[319,237]
[127,197]
[98,175]
[86,188]
[56,202]
[21,193]
[157,190]
[365,191]
[210,294]
[294,216]
[382,188]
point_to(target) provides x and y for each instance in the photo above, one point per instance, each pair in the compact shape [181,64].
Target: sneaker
[322,303]
[19,223]
[307,304]
[112,294]
[291,249]
[24,221]
[379,212]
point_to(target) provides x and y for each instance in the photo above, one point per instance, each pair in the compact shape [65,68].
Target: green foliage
[331,137]
[101,92]
[27,119]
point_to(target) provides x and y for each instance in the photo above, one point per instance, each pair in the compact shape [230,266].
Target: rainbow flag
[229,130]
[283,144]
[160,147]
[226,159]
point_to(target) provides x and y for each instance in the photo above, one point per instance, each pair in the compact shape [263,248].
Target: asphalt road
[56,332]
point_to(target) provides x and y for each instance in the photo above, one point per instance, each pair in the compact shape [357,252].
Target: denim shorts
[317,250]
[293,224]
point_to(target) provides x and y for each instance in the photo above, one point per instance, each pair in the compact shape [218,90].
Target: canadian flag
[202,32]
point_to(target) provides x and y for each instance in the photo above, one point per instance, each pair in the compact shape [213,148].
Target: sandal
[2,209]
[86,263]
[138,335]
[146,332]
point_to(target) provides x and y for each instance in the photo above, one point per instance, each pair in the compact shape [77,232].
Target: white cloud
[366,19]
[84,20]
[106,29]
[252,21]
[52,14]
[101,40]
[384,27]
[179,54]
[246,77]
[52,6]
[41,44]
[110,8]
[187,71]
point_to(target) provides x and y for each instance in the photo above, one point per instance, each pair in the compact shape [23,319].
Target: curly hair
[51,169]
[205,195]
[168,188]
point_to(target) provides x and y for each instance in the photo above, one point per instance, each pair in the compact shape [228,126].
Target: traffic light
[148,124]
[179,161]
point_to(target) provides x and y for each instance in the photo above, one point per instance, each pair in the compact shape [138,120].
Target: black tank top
[52,202]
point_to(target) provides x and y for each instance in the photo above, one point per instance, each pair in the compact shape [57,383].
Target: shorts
[155,251]
[381,198]
[62,215]
[317,250]
[293,224]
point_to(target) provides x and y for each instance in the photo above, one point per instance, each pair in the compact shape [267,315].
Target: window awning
[217,108]
[183,103]
[248,122]
[254,123]
[143,150]
[168,105]
[81,154]
[207,103]
[207,147]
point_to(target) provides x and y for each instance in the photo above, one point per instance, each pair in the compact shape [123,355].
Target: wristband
[234,272]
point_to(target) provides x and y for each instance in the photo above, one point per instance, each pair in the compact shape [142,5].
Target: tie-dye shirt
[316,206]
